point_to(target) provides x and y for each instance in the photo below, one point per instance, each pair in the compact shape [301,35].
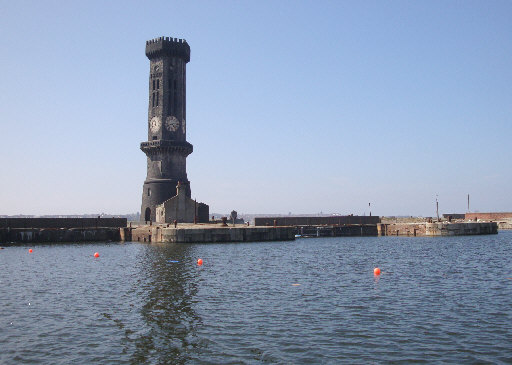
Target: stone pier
[206,233]
[437,229]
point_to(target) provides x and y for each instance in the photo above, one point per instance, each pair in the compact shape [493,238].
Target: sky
[292,106]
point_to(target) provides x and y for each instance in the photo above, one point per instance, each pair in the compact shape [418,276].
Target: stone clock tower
[166,148]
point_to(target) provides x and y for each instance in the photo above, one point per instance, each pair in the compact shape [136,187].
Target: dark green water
[438,300]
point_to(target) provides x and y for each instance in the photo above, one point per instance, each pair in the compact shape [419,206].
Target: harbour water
[438,300]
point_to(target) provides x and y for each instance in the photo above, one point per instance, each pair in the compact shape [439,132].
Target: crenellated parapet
[167,46]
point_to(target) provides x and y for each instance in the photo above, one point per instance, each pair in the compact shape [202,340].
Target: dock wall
[314,221]
[437,229]
[344,230]
[401,229]
[460,229]
[210,234]
[62,222]
[26,230]
[505,224]
[55,235]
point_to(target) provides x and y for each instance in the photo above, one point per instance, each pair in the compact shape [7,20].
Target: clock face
[155,124]
[172,123]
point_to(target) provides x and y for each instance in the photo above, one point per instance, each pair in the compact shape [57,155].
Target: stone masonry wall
[62,222]
[488,216]
[305,221]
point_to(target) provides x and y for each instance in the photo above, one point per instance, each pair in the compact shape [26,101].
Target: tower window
[153,84]
[158,84]
[153,103]
[169,96]
[149,192]
[157,98]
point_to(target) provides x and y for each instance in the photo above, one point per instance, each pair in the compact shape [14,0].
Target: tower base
[156,191]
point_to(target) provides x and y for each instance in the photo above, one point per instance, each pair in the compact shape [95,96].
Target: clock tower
[166,148]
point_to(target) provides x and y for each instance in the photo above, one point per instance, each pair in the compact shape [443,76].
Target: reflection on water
[169,319]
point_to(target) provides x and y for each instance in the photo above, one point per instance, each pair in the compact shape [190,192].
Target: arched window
[147,215]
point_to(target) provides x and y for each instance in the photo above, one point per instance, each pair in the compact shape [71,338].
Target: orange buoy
[200,262]
[29,250]
[96,255]
[376,271]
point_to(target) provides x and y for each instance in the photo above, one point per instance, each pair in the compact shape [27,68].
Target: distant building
[491,216]
[181,208]
[454,216]
[166,148]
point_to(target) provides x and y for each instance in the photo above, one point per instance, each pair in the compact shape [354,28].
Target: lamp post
[437,208]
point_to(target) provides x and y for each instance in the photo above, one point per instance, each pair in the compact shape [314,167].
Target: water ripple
[438,300]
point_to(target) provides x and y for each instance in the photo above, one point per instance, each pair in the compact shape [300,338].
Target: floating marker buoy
[29,250]
[376,271]
[96,255]
[200,262]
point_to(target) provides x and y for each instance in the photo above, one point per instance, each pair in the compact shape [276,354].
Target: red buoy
[96,255]
[200,262]
[29,250]
[376,271]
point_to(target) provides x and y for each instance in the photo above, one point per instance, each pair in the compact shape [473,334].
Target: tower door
[147,215]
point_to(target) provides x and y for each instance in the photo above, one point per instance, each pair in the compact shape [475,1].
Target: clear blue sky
[292,106]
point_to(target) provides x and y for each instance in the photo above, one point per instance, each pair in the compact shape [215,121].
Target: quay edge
[437,229]
[191,233]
